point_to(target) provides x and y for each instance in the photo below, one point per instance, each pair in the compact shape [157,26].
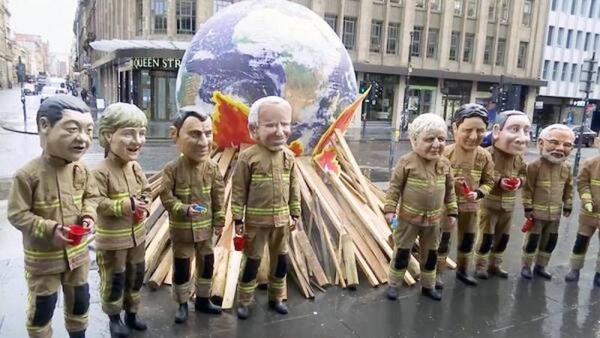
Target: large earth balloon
[259,48]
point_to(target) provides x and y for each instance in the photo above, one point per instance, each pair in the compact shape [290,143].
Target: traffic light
[20,72]
[362,87]
[374,91]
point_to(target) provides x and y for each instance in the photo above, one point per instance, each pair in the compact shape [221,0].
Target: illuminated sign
[155,63]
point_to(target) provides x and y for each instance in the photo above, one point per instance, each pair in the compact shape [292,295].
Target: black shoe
[498,271]
[526,273]
[482,274]
[431,293]
[465,278]
[181,315]
[77,334]
[572,276]
[278,306]
[392,293]
[597,280]
[133,321]
[117,327]
[243,312]
[439,281]
[206,306]
[541,271]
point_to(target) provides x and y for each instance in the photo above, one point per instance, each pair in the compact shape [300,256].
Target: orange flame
[297,147]
[230,122]
[327,160]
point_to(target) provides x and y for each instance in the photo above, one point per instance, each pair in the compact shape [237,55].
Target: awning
[114,45]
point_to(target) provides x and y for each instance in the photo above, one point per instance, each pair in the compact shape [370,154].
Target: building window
[504,11]
[565,6]
[471,8]
[522,57]
[554,4]
[220,4]
[565,71]
[583,7]
[398,2]
[596,42]
[420,4]
[550,35]
[545,70]
[554,71]
[432,42]
[579,39]
[573,6]
[392,38]
[186,16]
[500,51]
[458,7]
[454,46]
[586,44]
[559,38]
[569,38]
[331,20]
[376,36]
[139,17]
[592,6]
[573,71]
[492,12]
[159,16]
[598,76]
[468,50]
[415,48]
[488,51]
[435,5]
[349,35]
[527,10]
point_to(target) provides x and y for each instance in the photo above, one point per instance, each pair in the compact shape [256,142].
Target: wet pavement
[496,308]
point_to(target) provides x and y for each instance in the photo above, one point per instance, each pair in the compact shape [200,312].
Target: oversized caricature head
[270,121]
[511,133]
[468,125]
[122,131]
[65,126]
[556,143]
[428,136]
[192,132]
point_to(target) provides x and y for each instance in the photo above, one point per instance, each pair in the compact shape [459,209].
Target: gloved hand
[588,207]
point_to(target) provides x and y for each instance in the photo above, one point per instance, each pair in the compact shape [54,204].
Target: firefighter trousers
[467,229]
[256,238]
[121,279]
[582,242]
[42,295]
[494,233]
[540,241]
[404,239]
[202,252]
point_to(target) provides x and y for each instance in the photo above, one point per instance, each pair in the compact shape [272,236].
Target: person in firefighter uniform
[588,186]
[510,136]
[422,186]
[474,177]
[547,193]
[122,208]
[49,196]
[193,195]
[266,199]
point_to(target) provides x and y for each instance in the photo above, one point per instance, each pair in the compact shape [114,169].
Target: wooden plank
[169,279]
[153,251]
[332,252]
[225,160]
[349,261]
[220,274]
[264,267]
[364,266]
[450,264]
[311,257]
[233,272]
[301,279]
[157,278]
[162,221]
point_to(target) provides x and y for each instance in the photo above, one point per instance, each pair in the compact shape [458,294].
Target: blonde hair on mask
[426,123]
[557,126]
[258,104]
[117,116]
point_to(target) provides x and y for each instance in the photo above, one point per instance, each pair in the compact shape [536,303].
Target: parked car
[48,91]
[588,135]
[29,88]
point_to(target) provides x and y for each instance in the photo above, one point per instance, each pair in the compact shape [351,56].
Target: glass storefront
[379,105]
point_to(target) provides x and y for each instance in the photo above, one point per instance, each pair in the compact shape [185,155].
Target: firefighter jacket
[265,187]
[118,181]
[185,183]
[549,188]
[588,186]
[477,169]
[505,166]
[424,190]
[46,192]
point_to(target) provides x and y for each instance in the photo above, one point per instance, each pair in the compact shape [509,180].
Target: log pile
[343,231]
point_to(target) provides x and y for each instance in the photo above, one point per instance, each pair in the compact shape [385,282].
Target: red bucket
[239,242]
[76,233]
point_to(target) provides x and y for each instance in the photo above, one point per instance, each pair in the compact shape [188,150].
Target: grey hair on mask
[426,123]
[258,104]
[502,117]
[557,126]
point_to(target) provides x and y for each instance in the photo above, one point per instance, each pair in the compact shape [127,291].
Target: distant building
[37,51]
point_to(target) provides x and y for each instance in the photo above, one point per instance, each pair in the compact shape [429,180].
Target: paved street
[497,308]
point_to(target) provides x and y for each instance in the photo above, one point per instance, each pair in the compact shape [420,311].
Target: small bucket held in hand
[239,242]
[76,233]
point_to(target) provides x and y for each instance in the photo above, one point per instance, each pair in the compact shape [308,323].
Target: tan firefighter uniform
[265,194]
[478,171]
[423,191]
[547,193]
[497,210]
[119,240]
[185,183]
[47,192]
[588,186]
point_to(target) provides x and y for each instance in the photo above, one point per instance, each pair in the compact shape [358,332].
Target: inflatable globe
[258,48]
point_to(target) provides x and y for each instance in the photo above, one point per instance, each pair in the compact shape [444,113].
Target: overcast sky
[51,19]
